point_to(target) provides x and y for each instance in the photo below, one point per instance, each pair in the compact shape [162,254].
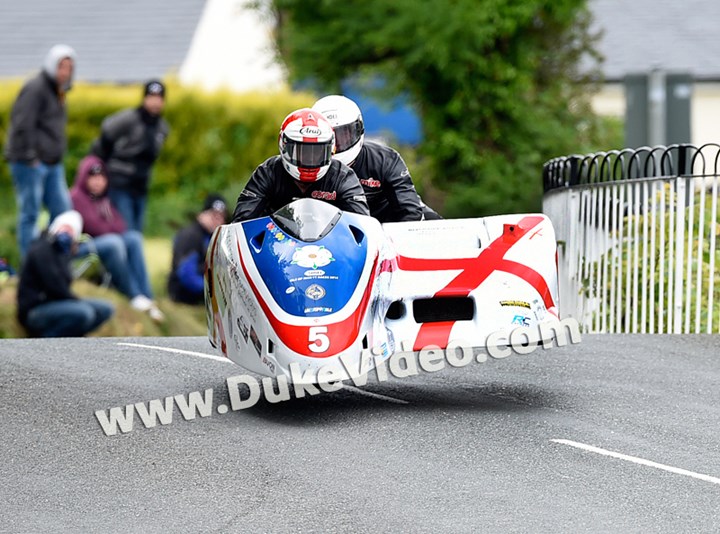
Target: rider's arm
[400,190]
[351,196]
[255,198]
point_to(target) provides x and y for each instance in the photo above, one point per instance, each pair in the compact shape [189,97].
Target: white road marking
[225,360]
[179,351]
[641,461]
[375,395]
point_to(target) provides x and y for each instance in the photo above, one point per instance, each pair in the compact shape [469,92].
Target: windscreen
[307,219]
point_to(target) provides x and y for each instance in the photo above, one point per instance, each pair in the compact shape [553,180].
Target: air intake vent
[257,241]
[436,310]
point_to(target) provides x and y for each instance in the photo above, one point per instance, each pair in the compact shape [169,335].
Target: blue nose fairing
[308,279]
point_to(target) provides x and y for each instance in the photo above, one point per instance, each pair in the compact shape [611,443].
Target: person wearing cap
[130,141]
[120,250]
[36,143]
[185,283]
[46,306]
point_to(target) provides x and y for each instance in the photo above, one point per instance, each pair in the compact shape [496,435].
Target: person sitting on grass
[120,250]
[185,283]
[46,307]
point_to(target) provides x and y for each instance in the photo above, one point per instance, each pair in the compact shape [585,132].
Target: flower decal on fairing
[312,256]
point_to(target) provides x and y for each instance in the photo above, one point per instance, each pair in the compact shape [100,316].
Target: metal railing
[637,233]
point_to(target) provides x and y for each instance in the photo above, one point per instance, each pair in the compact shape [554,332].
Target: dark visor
[307,155]
[348,134]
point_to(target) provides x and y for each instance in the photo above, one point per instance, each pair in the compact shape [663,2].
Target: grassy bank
[181,320]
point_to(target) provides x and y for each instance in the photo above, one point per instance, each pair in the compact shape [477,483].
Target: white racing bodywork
[450,282]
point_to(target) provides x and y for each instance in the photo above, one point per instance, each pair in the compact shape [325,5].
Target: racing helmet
[307,143]
[345,117]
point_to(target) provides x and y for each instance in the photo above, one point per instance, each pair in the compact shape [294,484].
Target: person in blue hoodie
[185,283]
[36,143]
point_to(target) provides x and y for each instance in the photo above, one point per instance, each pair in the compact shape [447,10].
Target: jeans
[131,207]
[68,318]
[34,186]
[122,255]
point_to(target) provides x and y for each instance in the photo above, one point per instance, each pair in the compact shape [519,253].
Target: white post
[679,253]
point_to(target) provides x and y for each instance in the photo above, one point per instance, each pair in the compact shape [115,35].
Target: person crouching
[46,306]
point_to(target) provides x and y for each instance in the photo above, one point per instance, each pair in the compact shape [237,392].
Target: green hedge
[216,141]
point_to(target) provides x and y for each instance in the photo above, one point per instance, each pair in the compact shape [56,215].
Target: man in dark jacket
[186,283]
[304,169]
[381,170]
[130,142]
[36,143]
[46,306]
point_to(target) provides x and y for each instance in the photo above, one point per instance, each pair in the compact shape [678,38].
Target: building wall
[705,109]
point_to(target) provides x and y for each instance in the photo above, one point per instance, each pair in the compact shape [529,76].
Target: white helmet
[345,117]
[307,143]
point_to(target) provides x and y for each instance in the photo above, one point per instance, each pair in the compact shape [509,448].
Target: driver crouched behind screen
[304,169]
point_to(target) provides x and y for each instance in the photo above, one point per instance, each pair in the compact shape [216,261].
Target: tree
[496,82]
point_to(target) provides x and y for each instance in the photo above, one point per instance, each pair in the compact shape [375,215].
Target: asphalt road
[462,450]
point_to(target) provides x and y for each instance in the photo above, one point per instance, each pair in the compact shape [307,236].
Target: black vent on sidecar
[257,241]
[358,234]
[439,309]
[396,310]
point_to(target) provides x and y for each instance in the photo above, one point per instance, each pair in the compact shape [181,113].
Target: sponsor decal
[314,272]
[247,300]
[275,232]
[270,365]
[234,269]
[310,131]
[518,303]
[521,320]
[312,256]
[306,278]
[539,310]
[315,292]
[370,182]
[289,290]
[255,341]
[318,309]
[243,327]
[324,195]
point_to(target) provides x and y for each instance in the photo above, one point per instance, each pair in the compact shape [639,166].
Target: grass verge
[181,319]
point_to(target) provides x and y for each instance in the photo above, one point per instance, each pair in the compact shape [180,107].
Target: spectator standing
[130,141]
[185,283]
[36,143]
[120,250]
[46,305]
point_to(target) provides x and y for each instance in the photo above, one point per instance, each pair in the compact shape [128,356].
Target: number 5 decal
[317,336]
